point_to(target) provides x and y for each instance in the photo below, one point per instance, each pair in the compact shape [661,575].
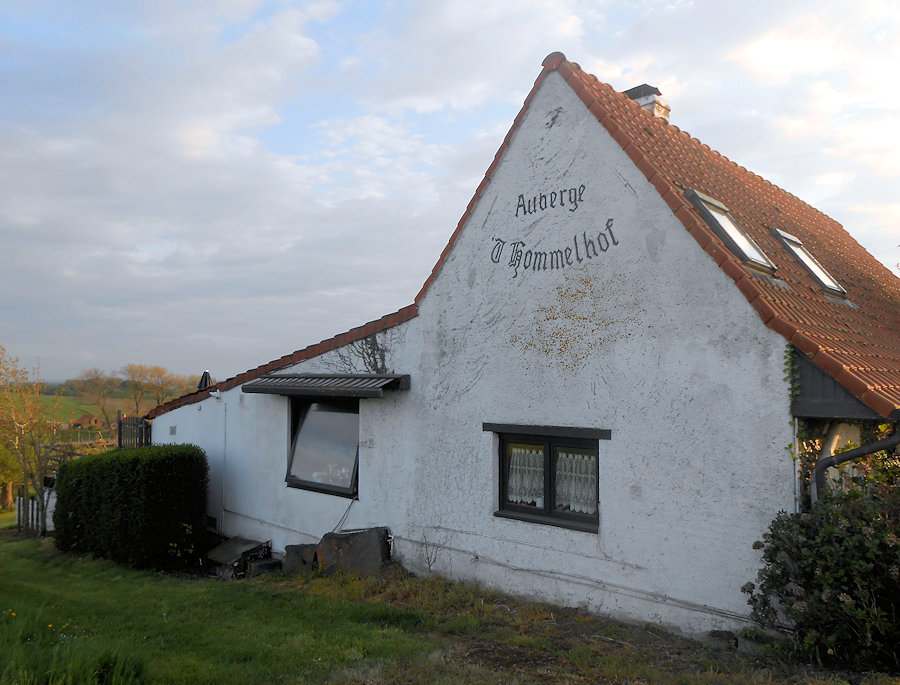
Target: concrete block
[299,558]
[259,567]
[365,552]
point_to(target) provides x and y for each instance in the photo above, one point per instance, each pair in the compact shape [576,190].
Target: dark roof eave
[328,385]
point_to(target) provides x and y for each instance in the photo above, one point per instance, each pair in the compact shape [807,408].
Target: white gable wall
[648,339]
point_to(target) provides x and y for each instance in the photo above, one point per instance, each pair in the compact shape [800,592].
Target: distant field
[69,408]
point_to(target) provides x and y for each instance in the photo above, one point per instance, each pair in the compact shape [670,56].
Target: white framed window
[816,270]
[324,452]
[735,238]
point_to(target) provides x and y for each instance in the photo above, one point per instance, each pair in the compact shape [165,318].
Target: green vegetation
[39,652]
[68,408]
[196,631]
[31,446]
[339,629]
[35,416]
[834,575]
[145,507]
[831,573]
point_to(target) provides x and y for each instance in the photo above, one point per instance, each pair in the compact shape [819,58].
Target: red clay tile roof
[340,340]
[856,341]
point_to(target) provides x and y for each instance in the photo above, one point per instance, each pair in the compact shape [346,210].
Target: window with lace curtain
[549,478]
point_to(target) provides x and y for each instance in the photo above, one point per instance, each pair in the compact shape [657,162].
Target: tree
[188,384]
[27,431]
[8,474]
[161,384]
[142,380]
[137,380]
[98,387]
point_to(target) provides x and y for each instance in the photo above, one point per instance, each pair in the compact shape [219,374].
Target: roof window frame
[806,259]
[711,209]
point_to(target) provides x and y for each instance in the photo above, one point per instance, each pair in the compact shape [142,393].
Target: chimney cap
[641,91]
[649,98]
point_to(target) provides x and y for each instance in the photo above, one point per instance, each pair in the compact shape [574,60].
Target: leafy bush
[145,507]
[833,575]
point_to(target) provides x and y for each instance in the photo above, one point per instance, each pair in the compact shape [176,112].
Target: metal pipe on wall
[818,484]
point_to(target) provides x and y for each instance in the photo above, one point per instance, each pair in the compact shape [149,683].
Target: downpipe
[818,484]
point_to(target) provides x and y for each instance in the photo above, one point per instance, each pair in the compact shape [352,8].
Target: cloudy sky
[215,183]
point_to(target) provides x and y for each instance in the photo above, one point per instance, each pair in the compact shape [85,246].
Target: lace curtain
[576,482]
[526,475]
[576,479]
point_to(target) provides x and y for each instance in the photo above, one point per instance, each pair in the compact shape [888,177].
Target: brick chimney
[650,99]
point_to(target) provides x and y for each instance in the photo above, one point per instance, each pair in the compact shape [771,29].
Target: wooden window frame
[552,438]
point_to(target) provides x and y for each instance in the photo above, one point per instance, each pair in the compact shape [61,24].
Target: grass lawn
[7,519]
[341,629]
[69,408]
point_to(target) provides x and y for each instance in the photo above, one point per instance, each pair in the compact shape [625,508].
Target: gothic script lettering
[584,247]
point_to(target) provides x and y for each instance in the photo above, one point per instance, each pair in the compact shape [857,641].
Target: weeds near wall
[430,551]
[791,372]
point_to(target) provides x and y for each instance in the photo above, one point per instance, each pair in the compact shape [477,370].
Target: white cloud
[802,47]
[886,211]
[221,183]
[461,55]
[835,178]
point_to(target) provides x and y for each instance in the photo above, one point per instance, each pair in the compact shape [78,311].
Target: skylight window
[719,219]
[804,256]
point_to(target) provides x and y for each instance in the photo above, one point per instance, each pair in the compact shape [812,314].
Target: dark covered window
[550,474]
[325,447]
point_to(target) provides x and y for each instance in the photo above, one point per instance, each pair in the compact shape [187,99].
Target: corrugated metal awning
[328,385]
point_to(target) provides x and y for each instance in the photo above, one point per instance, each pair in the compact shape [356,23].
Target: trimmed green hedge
[144,507]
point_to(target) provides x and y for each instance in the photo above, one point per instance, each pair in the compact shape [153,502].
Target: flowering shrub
[833,576]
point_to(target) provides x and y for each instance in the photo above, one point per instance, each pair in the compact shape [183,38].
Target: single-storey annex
[587,401]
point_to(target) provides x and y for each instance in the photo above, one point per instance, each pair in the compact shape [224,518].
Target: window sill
[318,487]
[571,524]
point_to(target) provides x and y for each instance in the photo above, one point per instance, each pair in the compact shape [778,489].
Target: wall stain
[553,114]
[577,326]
